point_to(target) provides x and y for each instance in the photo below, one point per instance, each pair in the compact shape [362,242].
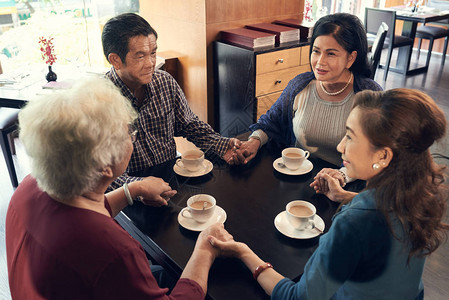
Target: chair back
[374,17]
[376,50]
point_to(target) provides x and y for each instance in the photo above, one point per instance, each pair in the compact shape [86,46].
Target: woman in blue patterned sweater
[378,242]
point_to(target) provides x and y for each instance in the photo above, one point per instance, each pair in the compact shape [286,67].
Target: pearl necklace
[338,92]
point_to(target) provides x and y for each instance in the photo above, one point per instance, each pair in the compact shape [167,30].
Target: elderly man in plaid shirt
[130,44]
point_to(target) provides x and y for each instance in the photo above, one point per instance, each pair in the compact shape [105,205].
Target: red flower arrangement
[47,50]
[308,11]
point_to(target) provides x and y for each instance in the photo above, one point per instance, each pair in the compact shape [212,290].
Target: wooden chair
[8,126]
[373,19]
[376,50]
[432,33]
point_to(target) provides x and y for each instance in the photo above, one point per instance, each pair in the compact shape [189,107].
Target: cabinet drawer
[265,102]
[276,81]
[278,60]
[305,55]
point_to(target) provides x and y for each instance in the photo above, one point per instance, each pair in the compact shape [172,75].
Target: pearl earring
[376,166]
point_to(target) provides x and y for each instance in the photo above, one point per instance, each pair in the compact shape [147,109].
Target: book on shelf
[248,38]
[284,34]
[305,28]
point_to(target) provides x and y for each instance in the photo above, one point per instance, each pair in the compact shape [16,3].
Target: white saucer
[207,167]
[190,224]
[286,229]
[306,167]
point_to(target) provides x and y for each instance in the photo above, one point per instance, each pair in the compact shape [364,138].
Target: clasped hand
[155,191]
[215,232]
[329,182]
[241,152]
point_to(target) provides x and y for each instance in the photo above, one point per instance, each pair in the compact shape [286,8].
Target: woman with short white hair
[61,237]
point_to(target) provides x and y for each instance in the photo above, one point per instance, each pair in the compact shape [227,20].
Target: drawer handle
[278,81]
[280,60]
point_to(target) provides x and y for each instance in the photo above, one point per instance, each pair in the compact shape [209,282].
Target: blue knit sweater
[277,122]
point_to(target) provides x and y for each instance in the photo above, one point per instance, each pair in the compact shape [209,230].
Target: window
[356,7]
[75,26]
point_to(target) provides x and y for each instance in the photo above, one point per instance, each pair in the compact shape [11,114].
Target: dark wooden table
[409,30]
[252,196]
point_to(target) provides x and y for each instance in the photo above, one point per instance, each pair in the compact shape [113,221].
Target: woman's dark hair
[411,187]
[118,30]
[349,32]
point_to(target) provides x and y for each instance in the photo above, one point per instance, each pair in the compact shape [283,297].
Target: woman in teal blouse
[377,244]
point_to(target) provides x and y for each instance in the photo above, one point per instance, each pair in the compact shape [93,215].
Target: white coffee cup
[197,209]
[191,160]
[294,157]
[300,214]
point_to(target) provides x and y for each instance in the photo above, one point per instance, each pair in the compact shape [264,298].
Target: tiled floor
[434,82]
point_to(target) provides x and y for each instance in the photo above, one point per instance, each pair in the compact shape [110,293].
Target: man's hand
[229,156]
[154,191]
[245,152]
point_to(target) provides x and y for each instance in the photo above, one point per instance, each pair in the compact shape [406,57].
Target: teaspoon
[281,165]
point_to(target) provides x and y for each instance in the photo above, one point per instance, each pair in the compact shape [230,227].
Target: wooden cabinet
[190,27]
[248,82]
[264,103]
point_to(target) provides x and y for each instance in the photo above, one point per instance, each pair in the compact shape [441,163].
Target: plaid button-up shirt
[164,114]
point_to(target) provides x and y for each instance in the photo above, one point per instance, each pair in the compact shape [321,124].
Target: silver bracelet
[344,177]
[128,194]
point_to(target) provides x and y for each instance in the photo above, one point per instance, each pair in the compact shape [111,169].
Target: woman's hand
[320,184]
[217,232]
[267,279]
[327,184]
[331,187]
[203,256]
[229,247]
[246,151]
[153,191]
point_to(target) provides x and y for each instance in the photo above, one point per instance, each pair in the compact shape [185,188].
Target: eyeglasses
[132,131]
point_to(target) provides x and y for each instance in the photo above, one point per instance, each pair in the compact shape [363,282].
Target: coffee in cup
[294,157]
[300,214]
[191,160]
[200,208]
